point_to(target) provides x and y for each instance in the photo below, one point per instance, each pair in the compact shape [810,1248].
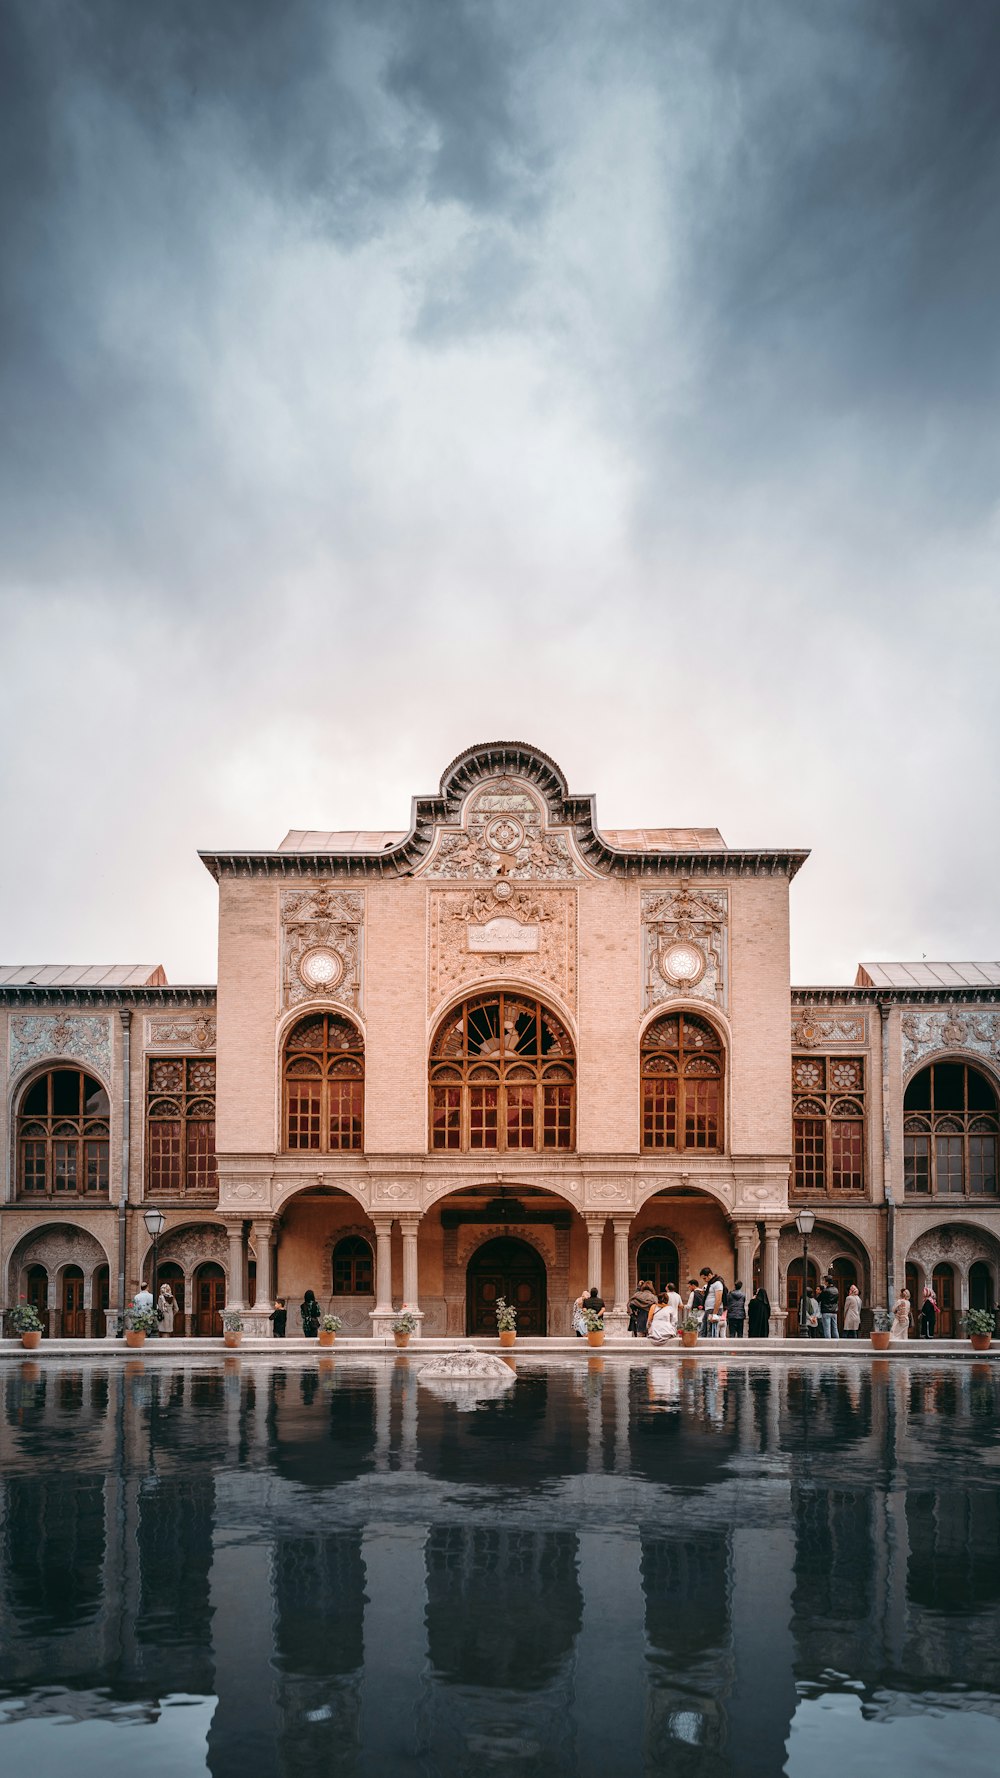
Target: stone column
[595,1236]
[772,1231]
[236,1287]
[746,1243]
[411,1287]
[382,1314]
[616,1319]
[257,1320]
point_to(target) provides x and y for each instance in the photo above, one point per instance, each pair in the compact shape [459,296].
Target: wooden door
[657,1260]
[210,1291]
[100,1297]
[74,1318]
[944,1290]
[510,1269]
[793,1285]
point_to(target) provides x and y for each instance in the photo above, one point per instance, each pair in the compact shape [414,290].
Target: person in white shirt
[714,1312]
[143,1299]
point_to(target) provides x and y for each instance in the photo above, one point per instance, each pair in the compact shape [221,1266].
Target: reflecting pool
[326,1568]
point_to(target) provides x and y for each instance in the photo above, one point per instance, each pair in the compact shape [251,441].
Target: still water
[324,1568]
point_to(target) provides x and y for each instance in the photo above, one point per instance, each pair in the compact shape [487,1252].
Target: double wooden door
[510,1269]
[74,1315]
[210,1290]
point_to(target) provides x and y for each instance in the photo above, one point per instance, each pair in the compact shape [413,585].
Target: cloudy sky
[381,376]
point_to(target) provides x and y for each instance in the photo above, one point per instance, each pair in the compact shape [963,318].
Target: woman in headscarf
[759,1315]
[309,1311]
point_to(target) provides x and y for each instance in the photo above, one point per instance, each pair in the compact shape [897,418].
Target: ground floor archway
[210,1298]
[961,1261]
[657,1261]
[510,1268]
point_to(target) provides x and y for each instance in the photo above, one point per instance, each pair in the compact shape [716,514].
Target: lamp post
[805,1222]
[154,1220]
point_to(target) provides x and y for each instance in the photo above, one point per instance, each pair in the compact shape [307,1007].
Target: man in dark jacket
[829,1303]
[736,1311]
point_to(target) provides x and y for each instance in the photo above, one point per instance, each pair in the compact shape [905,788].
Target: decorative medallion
[503,890]
[322,944]
[321,968]
[685,940]
[191,1033]
[504,834]
[810,1029]
[682,963]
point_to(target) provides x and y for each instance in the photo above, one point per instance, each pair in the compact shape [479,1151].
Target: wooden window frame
[334,1048]
[828,1112]
[180,1164]
[354,1259]
[927,1130]
[502,1066]
[63,1144]
[680,1047]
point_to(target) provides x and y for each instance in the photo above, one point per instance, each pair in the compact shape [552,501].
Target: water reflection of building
[598,1070]
[334,1556]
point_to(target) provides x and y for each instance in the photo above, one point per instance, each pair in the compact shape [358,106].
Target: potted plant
[24,1319]
[402,1327]
[881,1329]
[139,1323]
[506,1321]
[980,1325]
[689,1330]
[232,1327]
[594,1325]
[329,1328]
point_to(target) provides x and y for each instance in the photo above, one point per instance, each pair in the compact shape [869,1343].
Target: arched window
[324,1084]
[353,1272]
[950,1129]
[682,1075]
[180,1125]
[502,1076]
[62,1133]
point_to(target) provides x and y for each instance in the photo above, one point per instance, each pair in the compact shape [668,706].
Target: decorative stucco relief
[34,1037]
[961,1247]
[949,1029]
[322,946]
[192,1246]
[685,945]
[504,834]
[194,1033]
[242,1191]
[831,1029]
[477,932]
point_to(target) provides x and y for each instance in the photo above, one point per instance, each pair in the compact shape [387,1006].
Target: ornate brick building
[502,1052]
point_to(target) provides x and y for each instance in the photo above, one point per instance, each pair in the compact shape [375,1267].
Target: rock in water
[467,1366]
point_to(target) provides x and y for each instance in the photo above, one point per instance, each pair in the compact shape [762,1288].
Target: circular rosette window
[682,964]
[320,967]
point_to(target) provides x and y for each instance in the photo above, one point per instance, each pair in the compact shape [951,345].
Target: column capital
[382,1221]
[622,1224]
[595,1220]
[409,1221]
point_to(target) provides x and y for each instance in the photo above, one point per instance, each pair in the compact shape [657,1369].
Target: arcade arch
[962,1261]
[55,1268]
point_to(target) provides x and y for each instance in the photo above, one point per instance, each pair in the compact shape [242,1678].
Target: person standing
[640,1306]
[829,1303]
[279,1317]
[736,1311]
[166,1309]
[759,1315]
[309,1312]
[713,1318]
[902,1317]
[852,1313]
[810,1317]
[928,1314]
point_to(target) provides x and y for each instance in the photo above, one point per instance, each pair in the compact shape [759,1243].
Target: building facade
[499,1053]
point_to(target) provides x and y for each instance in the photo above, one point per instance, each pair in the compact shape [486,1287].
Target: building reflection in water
[633,1568]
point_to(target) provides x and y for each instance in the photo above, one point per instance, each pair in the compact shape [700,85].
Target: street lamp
[154,1220]
[805,1222]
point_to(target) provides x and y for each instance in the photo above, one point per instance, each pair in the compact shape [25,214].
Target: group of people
[818,1314]
[716,1309]
[165,1307]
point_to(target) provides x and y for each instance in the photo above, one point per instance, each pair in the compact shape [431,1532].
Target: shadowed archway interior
[508,1268]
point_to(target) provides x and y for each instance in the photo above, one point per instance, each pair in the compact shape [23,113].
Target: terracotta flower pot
[689,1339]
[508,1335]
[30,1340]
[231,1339]
[880,1341]
[596,1339]
[980,1342]
[325,1338]
[401,1339]
[133,1337]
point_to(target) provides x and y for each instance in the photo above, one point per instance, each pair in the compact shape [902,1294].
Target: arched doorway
[980,1286]
[944,1290]
[657,1260]
[793,1283]
[37,1293]
[210,1298]
[100,1302]
[845,1273]
[512,1269]
[74,1318]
